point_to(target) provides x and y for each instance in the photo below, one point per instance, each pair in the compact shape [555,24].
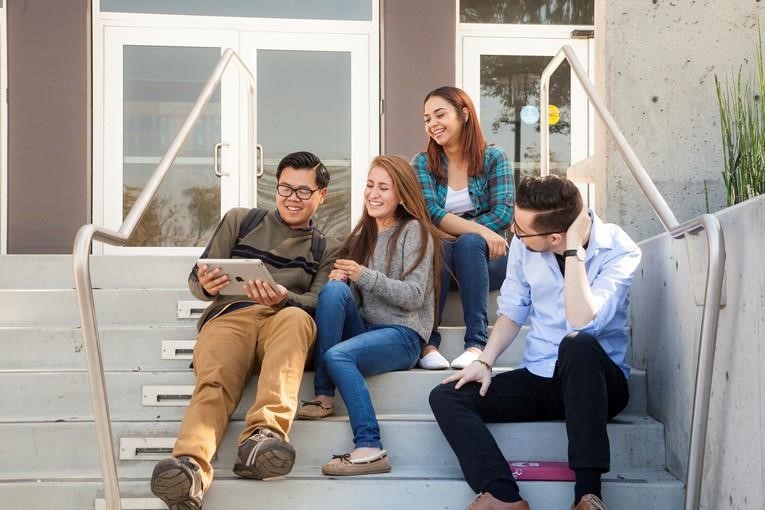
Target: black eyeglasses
[286,191]
[517,230]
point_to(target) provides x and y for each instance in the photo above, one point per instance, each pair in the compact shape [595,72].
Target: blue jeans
[467,259]
[349,349]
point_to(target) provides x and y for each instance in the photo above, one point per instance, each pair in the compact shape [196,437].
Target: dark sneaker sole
[272,461]
[171,483]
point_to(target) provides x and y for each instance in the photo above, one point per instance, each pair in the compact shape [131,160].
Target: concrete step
[52,396]
[134,305]
[121,306]
[150,347]
[65,450]
[628,490]
[107,271]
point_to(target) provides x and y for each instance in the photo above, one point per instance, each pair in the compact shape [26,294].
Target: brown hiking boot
[264,455]
[342,465]
[178,483]
[590,502]
[314,410]
[485,501]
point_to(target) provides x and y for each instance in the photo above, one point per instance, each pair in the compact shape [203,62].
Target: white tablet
[239,271]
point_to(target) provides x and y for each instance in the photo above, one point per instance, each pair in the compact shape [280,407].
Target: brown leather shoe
[485,501]
[589,502]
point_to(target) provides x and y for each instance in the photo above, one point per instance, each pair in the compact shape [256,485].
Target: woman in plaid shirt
[468,188]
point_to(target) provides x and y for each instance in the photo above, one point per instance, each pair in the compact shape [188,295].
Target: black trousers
[586,389]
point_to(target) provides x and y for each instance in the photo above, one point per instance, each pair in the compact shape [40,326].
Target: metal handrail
[81,265]
[715,250]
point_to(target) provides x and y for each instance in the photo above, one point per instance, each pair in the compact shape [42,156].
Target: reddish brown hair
[473,141]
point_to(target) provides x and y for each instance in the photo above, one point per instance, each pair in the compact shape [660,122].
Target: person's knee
[441,396]
[470,243]
[300,322]
[335,357]
[577,344]
[333,292]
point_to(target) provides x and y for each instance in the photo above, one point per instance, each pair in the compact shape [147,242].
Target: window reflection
[160,87]
[528,12]
[510,110]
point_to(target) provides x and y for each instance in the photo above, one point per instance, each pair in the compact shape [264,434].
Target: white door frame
[474,39]
[363,147]
[108,153]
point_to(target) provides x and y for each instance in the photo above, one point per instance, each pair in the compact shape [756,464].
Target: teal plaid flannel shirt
[491,191]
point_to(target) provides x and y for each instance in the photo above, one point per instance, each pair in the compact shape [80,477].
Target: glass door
[152,79]
[315,94]
[502,75]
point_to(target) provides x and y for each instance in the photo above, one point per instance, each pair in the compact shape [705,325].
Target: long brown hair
[361,242]
[473,141]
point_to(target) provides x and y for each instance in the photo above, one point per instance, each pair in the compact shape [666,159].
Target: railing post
[95,365]
[81,267]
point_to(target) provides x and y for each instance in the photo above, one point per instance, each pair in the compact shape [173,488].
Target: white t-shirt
[458,201]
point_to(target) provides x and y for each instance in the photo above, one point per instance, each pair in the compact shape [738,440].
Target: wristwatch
[578,253]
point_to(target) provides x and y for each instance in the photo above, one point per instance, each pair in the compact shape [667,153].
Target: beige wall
[657,66]
[48,123]
[418,55]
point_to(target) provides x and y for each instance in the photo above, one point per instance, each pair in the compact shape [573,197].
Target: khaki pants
[228,350]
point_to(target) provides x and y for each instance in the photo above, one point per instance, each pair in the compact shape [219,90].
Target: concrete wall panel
[661,58]
[48,124]
[418,52]
[665,336]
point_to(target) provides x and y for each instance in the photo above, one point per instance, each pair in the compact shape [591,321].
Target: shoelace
[345,457]
[316,403]
[261,434]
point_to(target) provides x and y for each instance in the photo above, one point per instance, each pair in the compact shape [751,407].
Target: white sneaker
[465,359]
[433,361]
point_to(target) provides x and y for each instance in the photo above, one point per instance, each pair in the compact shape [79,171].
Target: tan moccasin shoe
[342,465]
[314,410]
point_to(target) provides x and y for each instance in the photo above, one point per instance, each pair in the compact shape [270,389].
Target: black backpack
[255,216]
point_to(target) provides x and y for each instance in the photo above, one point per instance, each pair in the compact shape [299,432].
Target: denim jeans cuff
[369,444]
[324,392]
[476,344]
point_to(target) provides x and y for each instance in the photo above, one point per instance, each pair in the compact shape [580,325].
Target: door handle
[261,158]
[216,159]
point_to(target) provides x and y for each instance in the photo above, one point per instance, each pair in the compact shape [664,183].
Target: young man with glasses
[267,329]
[569,275]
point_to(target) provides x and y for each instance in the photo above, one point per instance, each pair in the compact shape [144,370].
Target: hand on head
[579,231]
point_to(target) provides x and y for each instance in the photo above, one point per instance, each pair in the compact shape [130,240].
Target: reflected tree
[541,12]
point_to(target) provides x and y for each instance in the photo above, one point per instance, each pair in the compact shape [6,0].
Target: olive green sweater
[286,253]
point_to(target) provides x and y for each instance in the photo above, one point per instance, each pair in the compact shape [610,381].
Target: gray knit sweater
[389,298]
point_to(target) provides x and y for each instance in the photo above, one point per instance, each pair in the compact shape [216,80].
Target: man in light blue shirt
[569,275]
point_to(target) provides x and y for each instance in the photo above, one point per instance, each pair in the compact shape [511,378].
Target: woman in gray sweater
[377,310]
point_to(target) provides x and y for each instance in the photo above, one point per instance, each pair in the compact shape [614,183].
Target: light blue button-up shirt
[533,290]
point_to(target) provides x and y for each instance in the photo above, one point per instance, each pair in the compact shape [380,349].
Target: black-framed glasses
[517,231]
[286,191]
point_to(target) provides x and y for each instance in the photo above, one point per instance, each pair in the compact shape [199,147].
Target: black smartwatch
[578,253]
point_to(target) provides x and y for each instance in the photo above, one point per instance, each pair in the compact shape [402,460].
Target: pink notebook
[542,471]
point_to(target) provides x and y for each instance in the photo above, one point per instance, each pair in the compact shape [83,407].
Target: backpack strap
[252,220]
[318,243]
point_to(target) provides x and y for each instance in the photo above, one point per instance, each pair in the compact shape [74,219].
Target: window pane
[510,110]
[160,87]
[304,103]
[297,9]
[528,12]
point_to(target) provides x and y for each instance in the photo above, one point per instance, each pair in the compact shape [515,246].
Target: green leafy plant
[742,121]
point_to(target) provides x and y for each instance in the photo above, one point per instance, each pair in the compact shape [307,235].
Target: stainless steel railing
[81,262]
[715,249]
